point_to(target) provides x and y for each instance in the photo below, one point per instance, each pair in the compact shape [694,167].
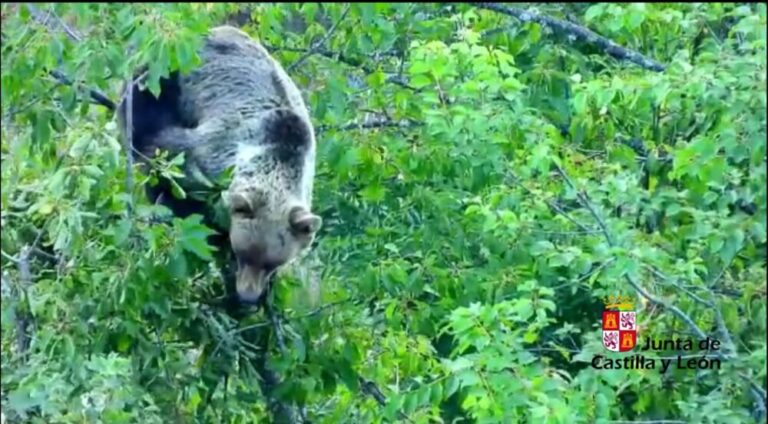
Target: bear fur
[238,109]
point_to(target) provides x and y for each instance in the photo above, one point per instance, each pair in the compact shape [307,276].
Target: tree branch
[369,388]
[555,208]
[586,203]
[281,412]
[316,46]
[129,142]
[44,20]
[23,317]
[369,125]
[609,47]
[97,96]
[349,61]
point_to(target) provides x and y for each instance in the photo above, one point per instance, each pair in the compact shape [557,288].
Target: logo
[620,335]
[619,324]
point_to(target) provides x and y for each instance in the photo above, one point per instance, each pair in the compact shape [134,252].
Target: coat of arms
[619,324]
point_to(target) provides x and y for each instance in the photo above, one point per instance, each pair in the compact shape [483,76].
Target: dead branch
[609,46]
[23,317]
[44,20]
[129,140]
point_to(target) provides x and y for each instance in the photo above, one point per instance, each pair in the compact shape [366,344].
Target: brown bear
[240,110]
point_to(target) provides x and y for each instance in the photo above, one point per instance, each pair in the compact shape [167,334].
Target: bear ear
[304,222]
[238,203]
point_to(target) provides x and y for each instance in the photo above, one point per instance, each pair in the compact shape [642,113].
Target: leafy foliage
[483,183]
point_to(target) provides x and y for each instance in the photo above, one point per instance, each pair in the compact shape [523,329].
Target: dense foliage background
[486,176]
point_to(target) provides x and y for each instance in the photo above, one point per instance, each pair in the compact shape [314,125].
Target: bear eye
[242,210]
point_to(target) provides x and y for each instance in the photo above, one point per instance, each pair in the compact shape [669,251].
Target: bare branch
[610,47]
[43,19]
[97,96]
[129,139]
[23,320]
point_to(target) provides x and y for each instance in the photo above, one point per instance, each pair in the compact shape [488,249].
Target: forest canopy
[498,183]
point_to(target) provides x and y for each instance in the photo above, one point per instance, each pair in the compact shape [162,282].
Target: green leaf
[42,129]
[373,193]
[436,394]
[121,231]
[420,81]
[451,386]
[541,247]
[410,403]
[593,12]
[635,18]
[124,342]
[347,375]
[193,237]
[178,267]
[524,308]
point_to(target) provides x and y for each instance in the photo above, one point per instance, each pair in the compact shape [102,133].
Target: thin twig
[250,327]
[71,33]
[316,46]
[349,61]
[554,207]
[322,308]
[281,411]
[658,274]
[609,46]
[9,257]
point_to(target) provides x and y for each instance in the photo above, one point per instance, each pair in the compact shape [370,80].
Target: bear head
[266,232]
